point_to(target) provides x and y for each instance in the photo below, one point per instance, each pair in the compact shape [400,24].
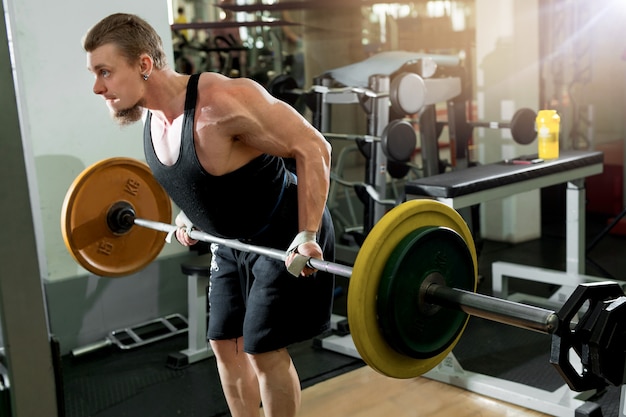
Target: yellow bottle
[548,122]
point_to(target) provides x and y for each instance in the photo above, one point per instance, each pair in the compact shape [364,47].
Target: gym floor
[138,382]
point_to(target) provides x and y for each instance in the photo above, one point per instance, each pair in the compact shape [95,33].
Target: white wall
[65,127]
[507,60]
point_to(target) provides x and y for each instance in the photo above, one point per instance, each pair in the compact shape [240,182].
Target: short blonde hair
[131,34]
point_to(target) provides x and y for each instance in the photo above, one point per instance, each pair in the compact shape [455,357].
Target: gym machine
[393,88]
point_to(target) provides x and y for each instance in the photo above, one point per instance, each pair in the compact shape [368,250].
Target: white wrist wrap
[188,225]
[302,237]
[300,262]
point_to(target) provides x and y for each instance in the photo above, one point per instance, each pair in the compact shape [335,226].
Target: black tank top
[236,205]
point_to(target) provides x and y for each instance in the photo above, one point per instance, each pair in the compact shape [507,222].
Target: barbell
[412,286]
[522,125]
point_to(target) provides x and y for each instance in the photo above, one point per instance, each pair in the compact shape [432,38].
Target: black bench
[475,185]
[465,187]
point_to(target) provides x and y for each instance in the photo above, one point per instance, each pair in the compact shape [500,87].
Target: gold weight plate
[365,280]
[86,234]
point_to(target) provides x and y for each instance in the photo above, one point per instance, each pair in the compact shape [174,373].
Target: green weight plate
[413,331]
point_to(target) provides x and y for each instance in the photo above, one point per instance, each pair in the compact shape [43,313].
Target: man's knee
[274,361]
[228,350]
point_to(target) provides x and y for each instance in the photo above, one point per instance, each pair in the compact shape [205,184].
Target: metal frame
[574,252]
[376,99]
[198,347]
[562,402]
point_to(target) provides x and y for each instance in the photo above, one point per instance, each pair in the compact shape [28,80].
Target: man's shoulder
[221,87]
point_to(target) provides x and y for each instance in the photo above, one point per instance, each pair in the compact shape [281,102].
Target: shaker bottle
[548,122]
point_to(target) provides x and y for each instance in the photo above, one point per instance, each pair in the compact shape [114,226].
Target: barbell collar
[120,218]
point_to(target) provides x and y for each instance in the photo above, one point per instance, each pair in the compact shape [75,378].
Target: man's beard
[130,115]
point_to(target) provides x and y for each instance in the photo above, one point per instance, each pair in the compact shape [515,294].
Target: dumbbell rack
[378,119]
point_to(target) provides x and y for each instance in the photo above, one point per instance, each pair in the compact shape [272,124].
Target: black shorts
[256,297]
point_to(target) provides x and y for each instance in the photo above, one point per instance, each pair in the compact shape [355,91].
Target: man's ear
[146,64]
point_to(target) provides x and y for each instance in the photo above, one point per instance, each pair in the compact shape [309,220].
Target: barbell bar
[330,267]
[412,286]
[494,309]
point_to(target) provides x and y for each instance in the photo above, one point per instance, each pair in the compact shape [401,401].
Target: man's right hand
[184,224]
[183,237]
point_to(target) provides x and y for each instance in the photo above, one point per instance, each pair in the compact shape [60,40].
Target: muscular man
[217,145]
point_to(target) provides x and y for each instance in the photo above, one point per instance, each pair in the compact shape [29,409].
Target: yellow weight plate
[86,233]
[366,275]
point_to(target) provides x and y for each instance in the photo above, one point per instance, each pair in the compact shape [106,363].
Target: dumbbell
[522,126]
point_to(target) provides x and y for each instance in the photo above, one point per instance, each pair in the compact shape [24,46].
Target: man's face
[118,82]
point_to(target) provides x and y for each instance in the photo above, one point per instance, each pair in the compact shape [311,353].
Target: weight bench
[467,187]
[197,271]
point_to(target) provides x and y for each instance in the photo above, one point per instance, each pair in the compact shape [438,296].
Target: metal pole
[377,168]
[28,353]
[428,135]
